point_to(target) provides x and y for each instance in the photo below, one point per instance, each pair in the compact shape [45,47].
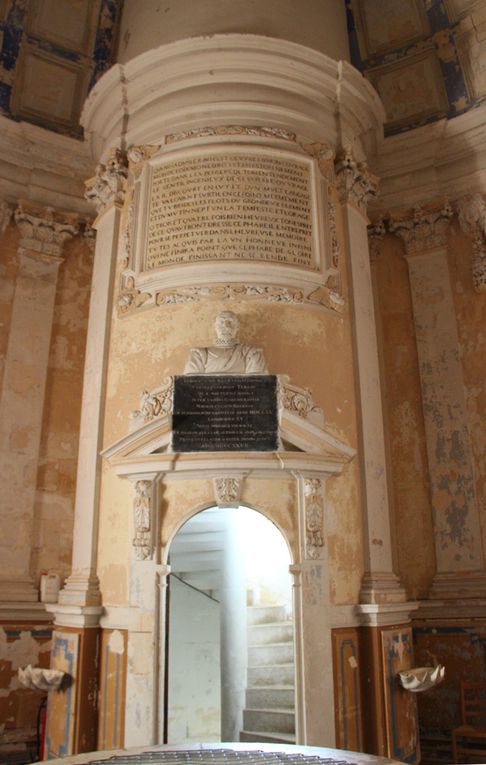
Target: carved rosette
[376,234]
[109,184]
[227,491]
[356,184]
[314,517]
[5,215]
[142,520]
[43,230]
[425,229]
[471,211]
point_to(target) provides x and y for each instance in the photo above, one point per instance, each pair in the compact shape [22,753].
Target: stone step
[265,614]
[273,674]
[262,720]
[270,653]
[270,737]
[270,697]
[276,632]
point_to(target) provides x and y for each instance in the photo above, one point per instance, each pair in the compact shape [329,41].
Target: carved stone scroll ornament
[225,130]
[109,184]
[425,229]
[142,518]
[354,181]
[227,491]
[472,219]
[43,230]
[156,403]
[299,401]
[314,517]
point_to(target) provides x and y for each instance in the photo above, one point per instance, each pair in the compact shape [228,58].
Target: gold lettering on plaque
[230,206]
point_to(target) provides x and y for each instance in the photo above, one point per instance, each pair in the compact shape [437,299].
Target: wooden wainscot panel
[111,725]
[347,690]
[400,705]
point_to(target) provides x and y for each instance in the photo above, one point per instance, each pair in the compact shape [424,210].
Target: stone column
[459,553]
[43,234]
[81,590]
[380,585]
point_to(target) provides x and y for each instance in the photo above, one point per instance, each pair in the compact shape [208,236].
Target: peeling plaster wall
[56,476]
[20,645]
[410,498]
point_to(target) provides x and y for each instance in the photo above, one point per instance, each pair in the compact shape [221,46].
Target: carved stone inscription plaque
[225,413]
[220,206]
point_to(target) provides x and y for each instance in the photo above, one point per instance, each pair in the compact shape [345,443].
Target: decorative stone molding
[5,215]
[227,491]
[231,292]
[299,401]
[225,130]
[129,297]
[471,210]
[44,231]
[324,154]
[425,229]
[356,184]
[376,234]
[138,155]
[335,248]
[108,186]
[142,518]
[156,403]
[314,517]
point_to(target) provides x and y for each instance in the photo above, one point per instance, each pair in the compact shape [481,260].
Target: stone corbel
[314,517]
[227,490]
[109,184]
[355,183]
[424,229]
[44,231]
[143,519]
[471,211]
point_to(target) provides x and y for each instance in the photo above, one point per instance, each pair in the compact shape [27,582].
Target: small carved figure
[227,356]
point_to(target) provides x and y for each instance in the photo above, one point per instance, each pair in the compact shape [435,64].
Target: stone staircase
[269,714]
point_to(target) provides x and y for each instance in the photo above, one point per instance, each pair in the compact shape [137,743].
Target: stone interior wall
[414,536]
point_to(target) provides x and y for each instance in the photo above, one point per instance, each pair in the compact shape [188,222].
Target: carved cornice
[108,186]
[314,517]
[471,210]
[44,231]
[422,230]
[356,184]
[227,490]
[5,215]
[225,130]
[142,520]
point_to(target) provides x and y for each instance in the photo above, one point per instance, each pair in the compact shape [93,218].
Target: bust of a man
[227,356]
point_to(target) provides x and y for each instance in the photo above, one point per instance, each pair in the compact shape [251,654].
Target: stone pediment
[305,443]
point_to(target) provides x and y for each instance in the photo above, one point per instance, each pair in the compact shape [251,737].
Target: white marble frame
[214,272]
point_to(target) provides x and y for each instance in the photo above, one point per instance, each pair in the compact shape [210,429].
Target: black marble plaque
[225,413]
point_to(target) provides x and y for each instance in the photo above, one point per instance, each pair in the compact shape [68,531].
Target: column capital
[356,184]
[471,210]
[423,228]
[44,231]
[109,184]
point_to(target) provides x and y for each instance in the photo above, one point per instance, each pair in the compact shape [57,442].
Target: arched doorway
[230,666]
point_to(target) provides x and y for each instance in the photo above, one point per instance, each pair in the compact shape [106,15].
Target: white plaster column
[380,585]
[81,590]
[43,234]
[314,645]
[459,553]
[233,632]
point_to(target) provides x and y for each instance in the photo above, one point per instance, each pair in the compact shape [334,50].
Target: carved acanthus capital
[5,215]
[227,490]
[109,184]
[424,229]
[376,234]
[142,520]
[356,184]
[471,210]
[44,231]
[314,517]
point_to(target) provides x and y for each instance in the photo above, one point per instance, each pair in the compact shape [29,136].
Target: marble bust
[227,356]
